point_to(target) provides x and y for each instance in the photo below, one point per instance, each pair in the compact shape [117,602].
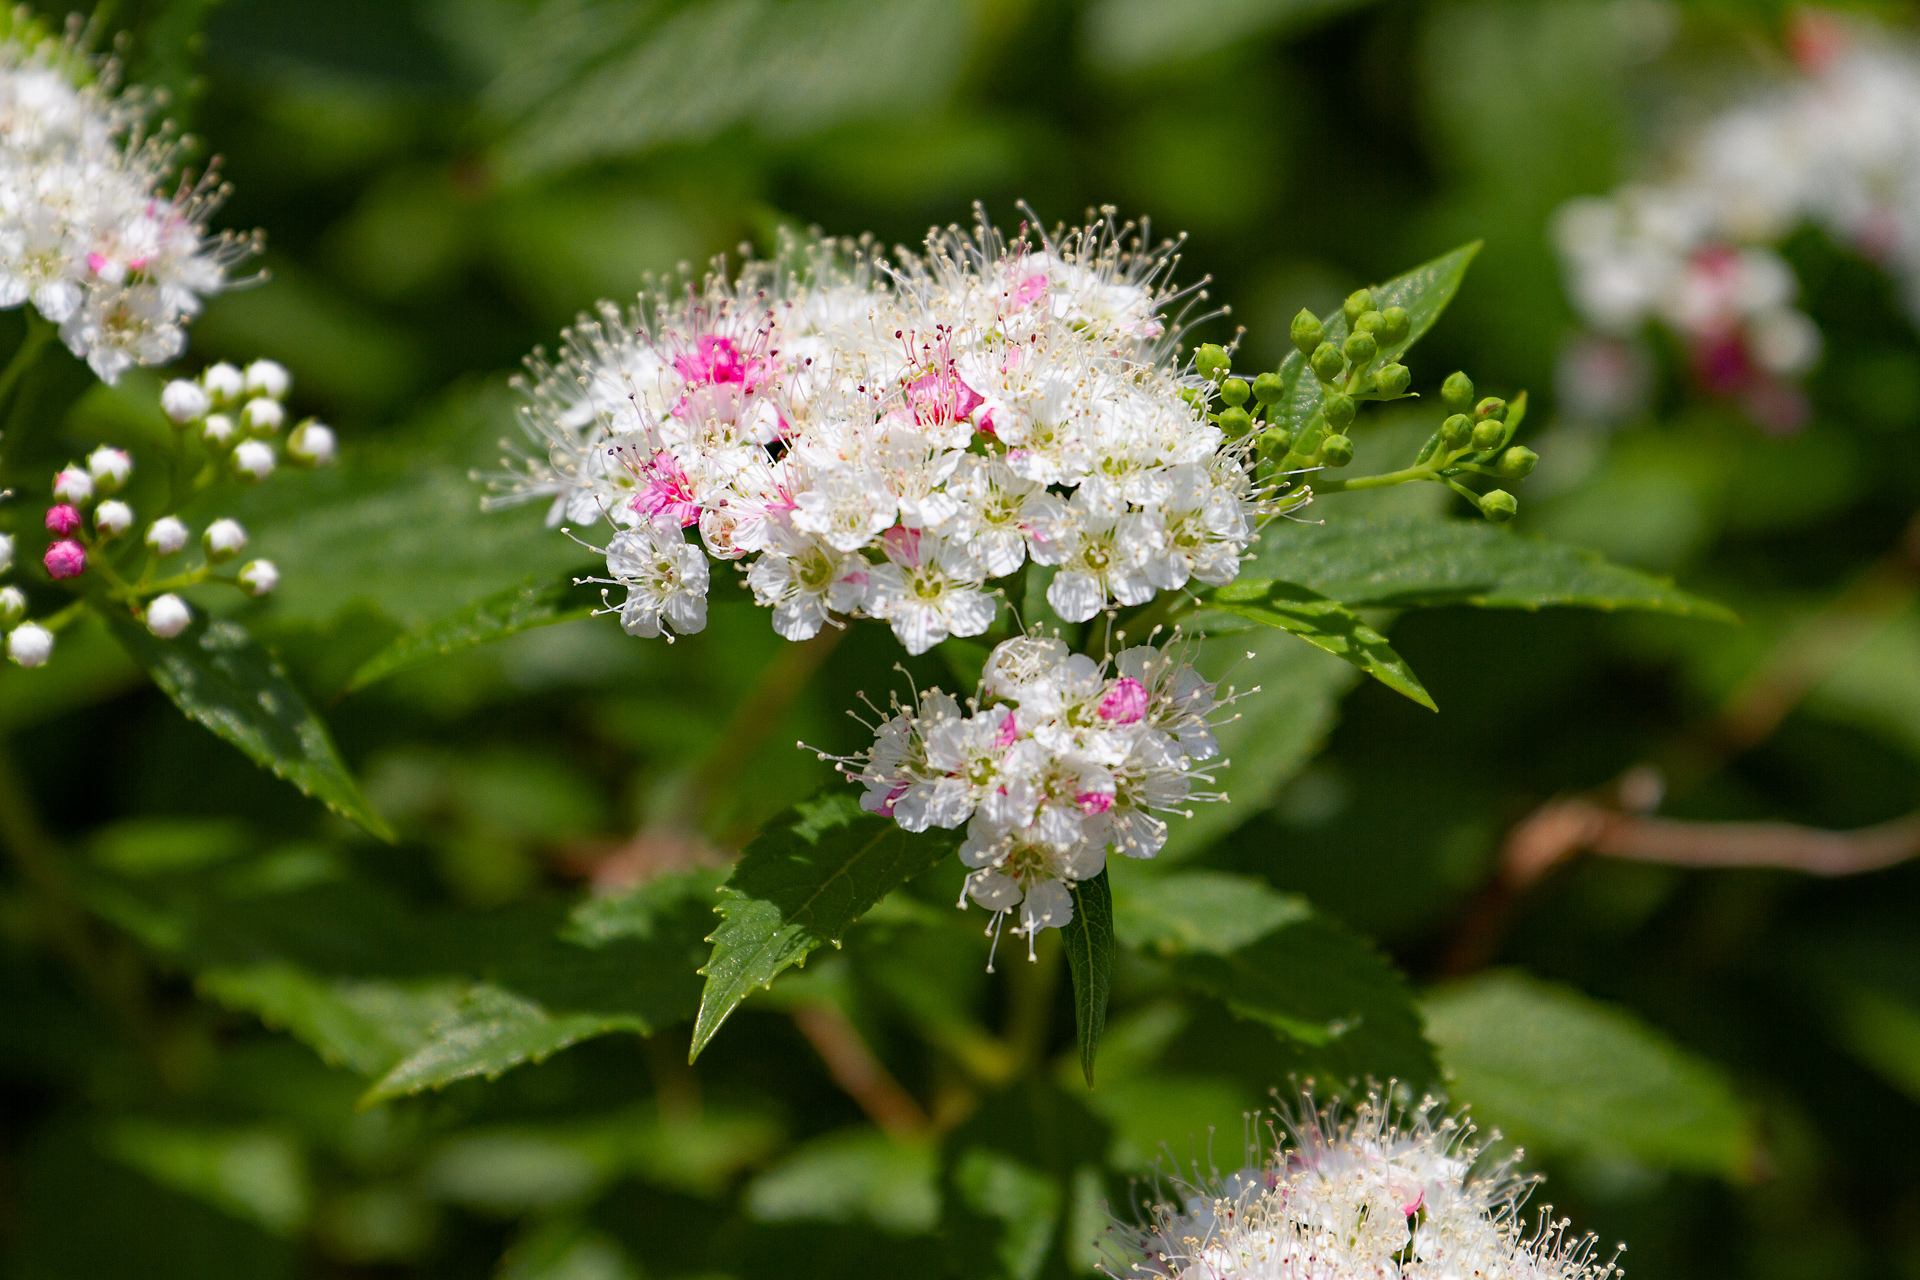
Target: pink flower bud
[66,559]
[62,519]
[1094,803]
[1125,702]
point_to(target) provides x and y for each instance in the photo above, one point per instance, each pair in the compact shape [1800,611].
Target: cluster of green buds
[1300,429]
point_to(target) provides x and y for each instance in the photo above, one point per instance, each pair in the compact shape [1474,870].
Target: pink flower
[1009,732]
[1125,702]
[62,519]
[1094,803]
[668,494]
[66,559]
[714,360]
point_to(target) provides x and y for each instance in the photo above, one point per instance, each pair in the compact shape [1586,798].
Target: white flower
[30,644]
[262,416]
[112,518]
[168,615]
[167,535]
[218,429]
[848,507]
[928,590]
[804,580]
[268,378]
[311,444]
[254,459]
[109,467]
[73,484]
[184,401]
[223,539]
[224,382]
[665,577]
[6,552]
[259,577]
[13,605]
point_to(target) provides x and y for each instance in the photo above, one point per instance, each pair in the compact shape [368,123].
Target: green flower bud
[1358,303]
[1210,360]
[1306,331]
[1488,432]
[1394,379]
[1360,347]
[1491,407]
[1274,443]
[1338,411]
[1234,391]
[1327,362]
[1336,451]
[1456,431]
[1267,388]
[1370,322]
[1235,422]
[1517,462]
[1498,506]
[1398,322]
[1457,392]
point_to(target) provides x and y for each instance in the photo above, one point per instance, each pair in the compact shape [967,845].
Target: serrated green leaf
[802,882]
[1324,623]
[1413,563]
[1558,1071]
[1200,912]
[217,675]
[1088,939]
[538,602]
[364,1026]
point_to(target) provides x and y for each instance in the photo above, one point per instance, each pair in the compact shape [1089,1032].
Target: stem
[1385,480]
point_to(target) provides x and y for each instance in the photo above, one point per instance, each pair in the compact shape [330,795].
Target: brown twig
[854,1068]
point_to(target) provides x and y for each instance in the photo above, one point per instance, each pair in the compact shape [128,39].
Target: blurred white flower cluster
[883,437]
[1381,1191]
[86,233]
[1056,762]
[1838,149]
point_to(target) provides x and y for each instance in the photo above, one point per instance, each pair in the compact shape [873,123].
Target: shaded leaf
[217,675]
[364,1026]
[1200,912]
[1325,624]
[537,602]
[255,1174]
[1133,35]
[1088,939]
[851,1174]
[1561,1072]
[802,882]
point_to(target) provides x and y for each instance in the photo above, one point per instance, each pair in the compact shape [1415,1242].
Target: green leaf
[364,1026]
[802,882]
[492,1031]
[1324,623]
[538,602]
[851,1174]
[1088,938]
[216,674]
[255,1174]
[1410,563]
[1200,912]
[1563,1073]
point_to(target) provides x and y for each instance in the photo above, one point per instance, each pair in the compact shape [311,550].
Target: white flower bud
[223,540]
[167,535]
[259,577]
[268,378]
[6,552]
[109,467]
[311,443]
[218,430]
[262,416]
[223,382]
[30,644]
[168,616]
[184,401]
[112,518]
[253,458]
[73,484]
[13,605]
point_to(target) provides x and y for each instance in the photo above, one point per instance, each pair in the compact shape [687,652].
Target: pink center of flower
[66,559]
[667,493]
[1009,732]
[902,546]
[96,262]
[893,798]
[1094,802]
[1031,290]
[939,396]
[1125,702]
[62,519]
[713,360]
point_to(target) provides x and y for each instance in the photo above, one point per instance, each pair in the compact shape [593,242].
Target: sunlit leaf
[1202,912]
[364,1026]
[1088,939]
[1325,624]
[538,602]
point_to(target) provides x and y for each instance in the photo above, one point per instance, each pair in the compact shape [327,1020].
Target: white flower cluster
[1056,762]
[1838,149]
[86,233]
[883,437]
[1381,1193]
[237,415]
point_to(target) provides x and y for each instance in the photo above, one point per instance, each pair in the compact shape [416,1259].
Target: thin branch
[854,1068]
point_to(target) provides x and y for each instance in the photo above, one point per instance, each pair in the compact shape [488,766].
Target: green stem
[1385,480]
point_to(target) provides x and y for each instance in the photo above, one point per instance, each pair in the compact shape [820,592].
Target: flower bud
[253,458]
[168,615]
[1268,389]
[311,444]
[1488,432]
[1394,379]
[112,518]
[30,644]
[1210,360]
[1235,392]
[65,559]
[62,519]
[13,605]
[1370,322]
[1517,463]
[1360,347]
[6,552]
[268,378]
[259,577]
[1336,451]
[73,484]
[1395,323]
[1358,303]
[1491,407]
[1498,506]
[223,382]
[1274,443]
[1235,422]
[167,535]
[1338,411]
[218,430]
[1328,363]
[1456,431]
[223,540]
[1306,331]
[184,401]
[109,467]
[1457,392]
[263,417]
